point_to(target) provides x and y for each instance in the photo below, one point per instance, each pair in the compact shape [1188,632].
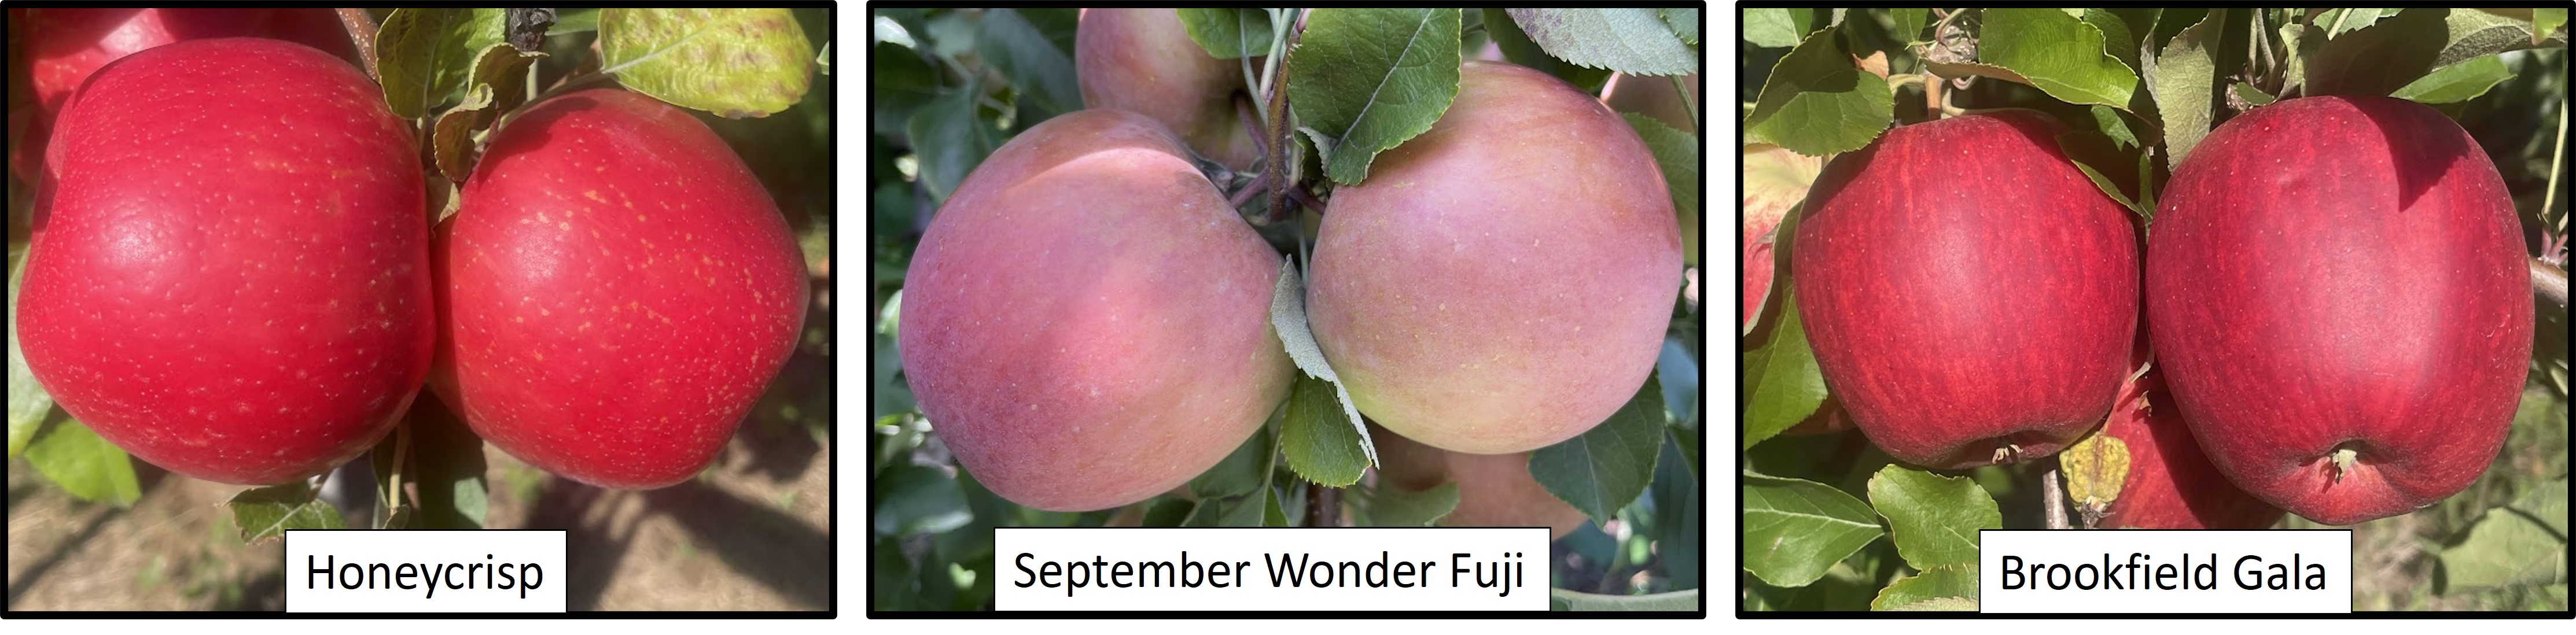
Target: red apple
[1503,281]
[233,280]
[2171,484]
[1143,61]
[2337,292]
[1970,295]
[67,44]
[1087,322]
[617,291]
[1774,181]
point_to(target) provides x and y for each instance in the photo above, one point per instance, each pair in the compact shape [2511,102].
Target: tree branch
[362,32]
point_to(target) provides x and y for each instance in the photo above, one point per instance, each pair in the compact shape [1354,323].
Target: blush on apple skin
[1496,286]
[617,289]
[233,278]
[1967,289]
[1087,322]
[2342,273]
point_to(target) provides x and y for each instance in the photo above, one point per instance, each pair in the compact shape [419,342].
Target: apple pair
[233,274]
[1087,322]
[2333,286]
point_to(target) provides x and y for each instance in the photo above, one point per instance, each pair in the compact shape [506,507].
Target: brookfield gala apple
[1971,296]
[618,290]
[2337,291]
[232,278]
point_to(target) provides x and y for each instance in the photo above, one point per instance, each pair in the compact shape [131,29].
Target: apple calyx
[2343,460]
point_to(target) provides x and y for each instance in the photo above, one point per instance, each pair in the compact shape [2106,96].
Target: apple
[67,44]
[1143,61]
[1971,296]
[2171,484]
[1503,281]
[1774,181]
[1494,490]
[616,291]
[233,277]
[2336,288]
[1086,323]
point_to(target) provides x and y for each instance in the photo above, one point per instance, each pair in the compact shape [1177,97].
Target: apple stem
[2056,499]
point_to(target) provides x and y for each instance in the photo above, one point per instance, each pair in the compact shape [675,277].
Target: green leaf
[574,21]
[1677,154]
[2184,74]
[426,55]
[1942,588]
[2458,82]
[1517,48]
[28,401]
[446,461]
[2060,55]
[1909,23]
[1933,518]
[1678,511]
[1389,506]
[1369,79]
[1606,467]
[1229,33]
[1033,47]
[1628,40]
[2112,124]
[1816,103]
[2546,21]
[732,62]
[2251,95]
[912,499]
[2513,545]
[1577,601]
[265,513]
[74,457]
[1795,530]
[1776,27]
[1781,380]
[2377,59]
[1320,443]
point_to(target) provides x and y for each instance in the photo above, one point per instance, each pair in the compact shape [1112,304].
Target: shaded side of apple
[1494,490]
[233,280]
[1087,321]
[2171,484]
[1967,290]
[1142,60]
[2342,276]
[1503,281]
[617,290]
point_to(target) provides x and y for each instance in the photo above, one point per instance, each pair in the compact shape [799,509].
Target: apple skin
[1967,289]
[233,280]
[1143,61]
[617,290]
[2171,484]
[1087,321]
[65,45]
[1494,490]
[2342,273]
[1503,281]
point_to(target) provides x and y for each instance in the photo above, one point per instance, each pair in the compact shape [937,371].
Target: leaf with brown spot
[732,62]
